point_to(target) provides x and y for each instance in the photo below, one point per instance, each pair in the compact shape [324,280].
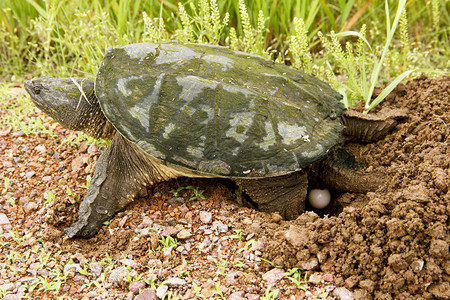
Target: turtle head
[72,103]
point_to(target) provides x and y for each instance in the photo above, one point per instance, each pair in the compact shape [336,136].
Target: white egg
[319,198]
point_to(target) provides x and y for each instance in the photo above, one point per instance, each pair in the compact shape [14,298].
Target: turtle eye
[37,89]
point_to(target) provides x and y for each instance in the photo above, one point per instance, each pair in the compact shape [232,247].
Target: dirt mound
[392,243]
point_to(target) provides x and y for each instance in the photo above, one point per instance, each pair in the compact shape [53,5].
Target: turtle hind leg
[283,194]
[340,171]
[121,172]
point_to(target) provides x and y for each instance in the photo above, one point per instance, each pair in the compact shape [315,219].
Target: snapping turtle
[176,109]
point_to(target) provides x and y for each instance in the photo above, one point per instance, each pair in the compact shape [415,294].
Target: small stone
[7,287]
[96,269]
[184,234]
[30,174]
[71,268]
[170,230]
[273,276]
[147,294]
[308,294]
[175,282]
[205,217]
[315,278]
[167,252]
[161,291]
[276,217]
[136,286]
[118,275]
[236,296]
[4,220]
[417,266]
[252,297]
[128,262]
[220,227]
[29,207]
[310,264]
[328,277]
[40,148]
[46,178]
[342,293]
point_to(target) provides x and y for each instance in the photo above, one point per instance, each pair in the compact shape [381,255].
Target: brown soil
[389,244]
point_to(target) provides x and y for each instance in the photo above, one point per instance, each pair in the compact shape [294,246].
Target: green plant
[196,288]
[49,197]
[196,194]
[237,235]
[295,275]
[270,295]
[5,189]
[168,241]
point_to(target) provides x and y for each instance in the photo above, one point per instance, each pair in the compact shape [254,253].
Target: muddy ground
[389,244]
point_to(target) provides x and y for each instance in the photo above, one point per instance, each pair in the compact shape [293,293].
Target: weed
[269,294]
[196,193]
[246,246]
[49,197]
[5,189]
[295,275]
[237,235]
[218,293]
[16,237]
[196,288]
[168,241]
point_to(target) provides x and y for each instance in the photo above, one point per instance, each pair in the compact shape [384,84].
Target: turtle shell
[218,112]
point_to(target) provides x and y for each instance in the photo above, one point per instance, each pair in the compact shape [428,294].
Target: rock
[397,263]
[315,279]
[252,297]
[30,206]
[205,217]
[96,269]
[237,296]
[328,277]
[7,287]
[175,282]
[71,268]
[40,148]
[259,245]
[147,294]
[184,234]
[118,275]
[4,220]
[220,227]
[136,286]
[417,266]
[161,291]
[170,230]
[310,264]
[342,293]
[12,297]
[273,276]
[128,262]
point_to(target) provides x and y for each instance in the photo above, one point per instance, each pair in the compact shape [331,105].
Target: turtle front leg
[283,194]
[121,172]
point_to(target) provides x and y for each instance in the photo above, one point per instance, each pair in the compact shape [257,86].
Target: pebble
[136,286]
[4,220]
[220,227]
[71,268]
[417,266]
[18,133]
[236,296]
[161,291]
[30,174]
[118,274]
[96,269]
[328,277]
[315,278]
[40,148]
[252,297]
[128,262]
[184,234]
[29,207]
[310,264]
[46,178]
[175,282]
[7,287]
[273,276]
[205,217]
[147,294]
[343,294]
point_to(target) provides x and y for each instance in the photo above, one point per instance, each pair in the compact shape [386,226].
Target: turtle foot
[120,174]
[283,194]
[341,171]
